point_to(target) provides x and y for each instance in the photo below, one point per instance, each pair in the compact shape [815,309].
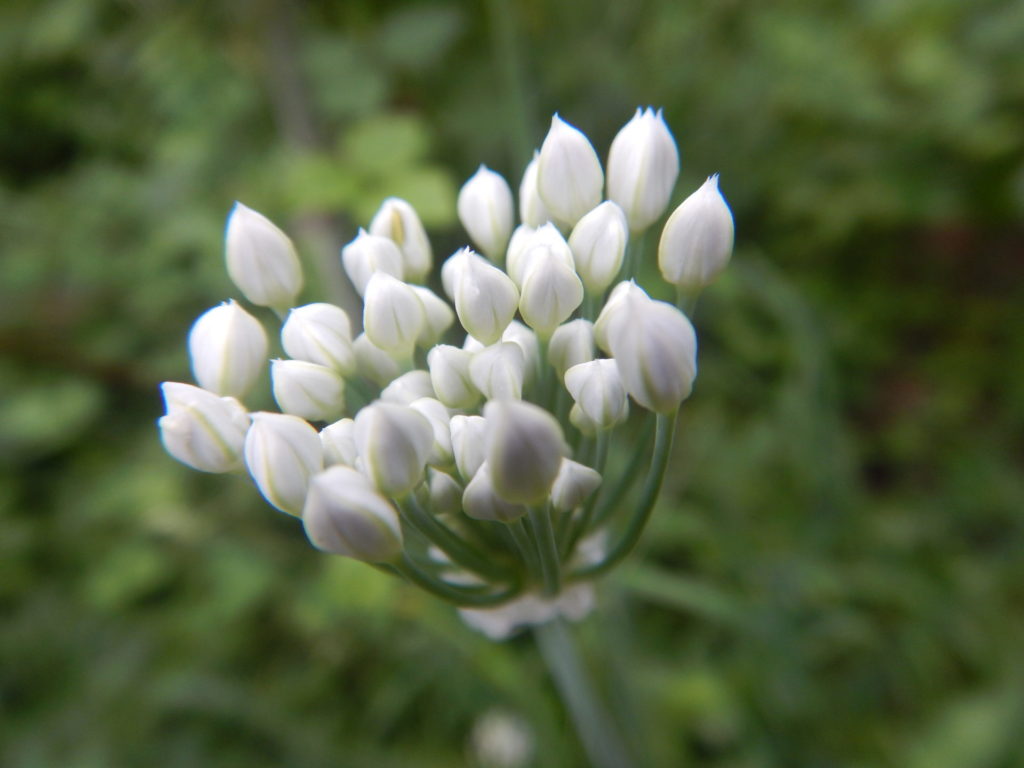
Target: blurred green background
[835,574]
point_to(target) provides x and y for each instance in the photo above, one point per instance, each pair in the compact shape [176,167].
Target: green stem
[612,495]
[600,737]
[525,545]
[633,261]
[686,301]
[652,485]
[457,548]
[469,598]
[550,564]
[582,523]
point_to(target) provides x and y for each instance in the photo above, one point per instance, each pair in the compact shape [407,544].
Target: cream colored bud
[408,387]
[450,378]
[437,415]
[597,388]
[469,443]
[499,371]
[532,211]
[312,391]
[437,317]
[480,502]
[525,448]
[571,344]
[201,429]
[517,333]
[485,300]
[344,515]
[444,492]
[261,260]
[643,164]
[696,243]
[369,254]
[573,485]
[320,333]
[339,443]
[394,442]
[393,315]
[598,244]
[542,245]
[551,293]
[569,175]
[486,211]
[398,221]
[373,362]
[655,352]
[228,348]
[282,453]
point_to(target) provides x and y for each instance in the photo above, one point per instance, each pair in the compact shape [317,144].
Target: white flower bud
[569,176]
[551,292]
[525,448]
[314,392]
[444,492]
[499,371]
[398,222]
[437,317]
[697,240]
[455,266]
[201,429]
[437,415]
[598,244]
[486,211]
[517,333]
[571,344]
[408,387]
[339,443]
[573,485]
[469,443]
[643,164]
[369,254]
[282,453]
[479,500]
[373,362]
[472,345]
[538,246]
[320,333]
[393,314]
[531,208]
[656,352]
[449,376]
[597,388]
[582,422]
[228,347]
[261,260]
[344,515]
[394,442]
[612,314]
[485,300]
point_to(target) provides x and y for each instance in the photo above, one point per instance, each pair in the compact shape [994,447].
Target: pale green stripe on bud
[312,391]
[569,175]
[398,221]
[697,240]
[487,212]
[282,453]
[261,260]
[643,164]
[320,333]
[228,349]
[201,429]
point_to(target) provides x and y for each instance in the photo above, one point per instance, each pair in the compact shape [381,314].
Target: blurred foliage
[836,573]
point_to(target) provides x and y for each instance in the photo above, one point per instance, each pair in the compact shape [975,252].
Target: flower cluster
[474,469]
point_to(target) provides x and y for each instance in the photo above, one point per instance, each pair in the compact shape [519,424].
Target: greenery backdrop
[835,575]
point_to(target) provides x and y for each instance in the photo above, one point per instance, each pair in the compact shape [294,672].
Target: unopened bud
[571,344]
[598,244]
[228,348]
[697,240]
[525,448]
[485,300]
[643,164]
[444,492]
[394,442]
[201,429]
[486,211]
[393,316]
[597,388]
[573,485]
[550,294]
[339,443]
[408,387]
[612,314]
[569,176]
[282,453]
[344,515]
[398,221]
[532,211]
[450,378]
[469,443]
[499,371]
[437,317]
[320,333]
[517,333]
[539,246]
[437,415]
[368,254]
[261,260]
[481,502]
[312,391]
